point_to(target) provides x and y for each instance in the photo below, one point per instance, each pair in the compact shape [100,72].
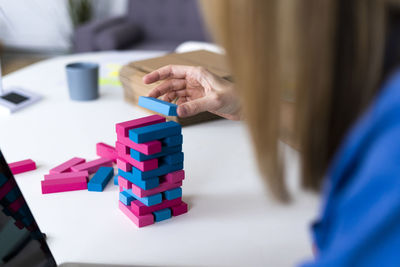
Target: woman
[340,57]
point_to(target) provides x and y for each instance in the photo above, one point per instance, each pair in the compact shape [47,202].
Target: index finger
[169,71]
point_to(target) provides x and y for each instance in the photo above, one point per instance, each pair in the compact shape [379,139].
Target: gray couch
[148,25]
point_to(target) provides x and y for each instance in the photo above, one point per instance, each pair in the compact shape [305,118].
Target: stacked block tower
[150,165]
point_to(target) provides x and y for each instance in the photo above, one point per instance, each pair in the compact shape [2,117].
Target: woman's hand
[196,90]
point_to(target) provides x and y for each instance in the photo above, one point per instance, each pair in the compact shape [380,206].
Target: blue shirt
[360,220]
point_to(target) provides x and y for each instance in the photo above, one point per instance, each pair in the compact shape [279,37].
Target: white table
[232,220]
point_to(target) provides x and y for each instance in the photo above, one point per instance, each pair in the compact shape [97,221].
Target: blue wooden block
[164,151]
[144,184]
[115,179]
[155,132]
[161,170]
[126,198]
[161,215]
[173,193]
[100,179]
[13,195]
[149,200]
[173,158]
[175,140]
[3,179]
[157,105]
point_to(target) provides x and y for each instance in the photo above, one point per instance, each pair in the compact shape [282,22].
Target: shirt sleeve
[364,223]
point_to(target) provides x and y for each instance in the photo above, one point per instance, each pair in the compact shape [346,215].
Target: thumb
[193,107]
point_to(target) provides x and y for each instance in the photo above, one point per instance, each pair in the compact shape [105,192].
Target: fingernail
[182,110]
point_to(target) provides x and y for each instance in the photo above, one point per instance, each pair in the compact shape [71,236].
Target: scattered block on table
[147,148]
[126,198]
[63,185]
[173,193]
[115,179]
[124,183]
[22,166]
[157,105]
[146,165]
[106,151]
[66,166]
[100,180]
[179,209]
[144,184]
[164,151]
[149,200]
[65,175]
[174,177]
[92,166]
[140,221]
[161,170]
[155,132]
[161,188]
[139,208]
[173,158]
[161,215]
[175,140]
[6,187]
[123,128]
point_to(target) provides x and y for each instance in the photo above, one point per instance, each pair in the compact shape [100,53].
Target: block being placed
[175,140]
[123,128]
[174,177]
[173,158]
[22,166]
[155,132]
[157,105]
[161,170]
[92,166]
[126,198]
[123,158]
[164,151]
[173,193]
[106,151]
[179,209]
[144,184]
[66,166]
[147,148]
[140,221]
[161,188]
[63,185]
[149,200]
[161,215]
[139,208]
[64,175]
[100,180]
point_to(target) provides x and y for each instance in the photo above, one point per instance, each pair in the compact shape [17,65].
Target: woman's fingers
[170,71]
[196,106]
[168,86]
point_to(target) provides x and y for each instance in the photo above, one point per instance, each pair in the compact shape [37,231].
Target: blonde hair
[329,53]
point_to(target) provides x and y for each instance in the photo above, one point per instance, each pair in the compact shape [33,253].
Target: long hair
[328,54]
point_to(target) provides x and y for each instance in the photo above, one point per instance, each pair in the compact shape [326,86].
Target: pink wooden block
[22,166]
[121,188]
[139,208]
[124,183]
[16,205]
[174,177]
[6,187]
[123,128]
[92,166]
[123,165]
[179,209]
[106,151]
[161,188]
[146,165]
[66,166]
[63,185]
[64,175]
[140,221]
[147,148]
